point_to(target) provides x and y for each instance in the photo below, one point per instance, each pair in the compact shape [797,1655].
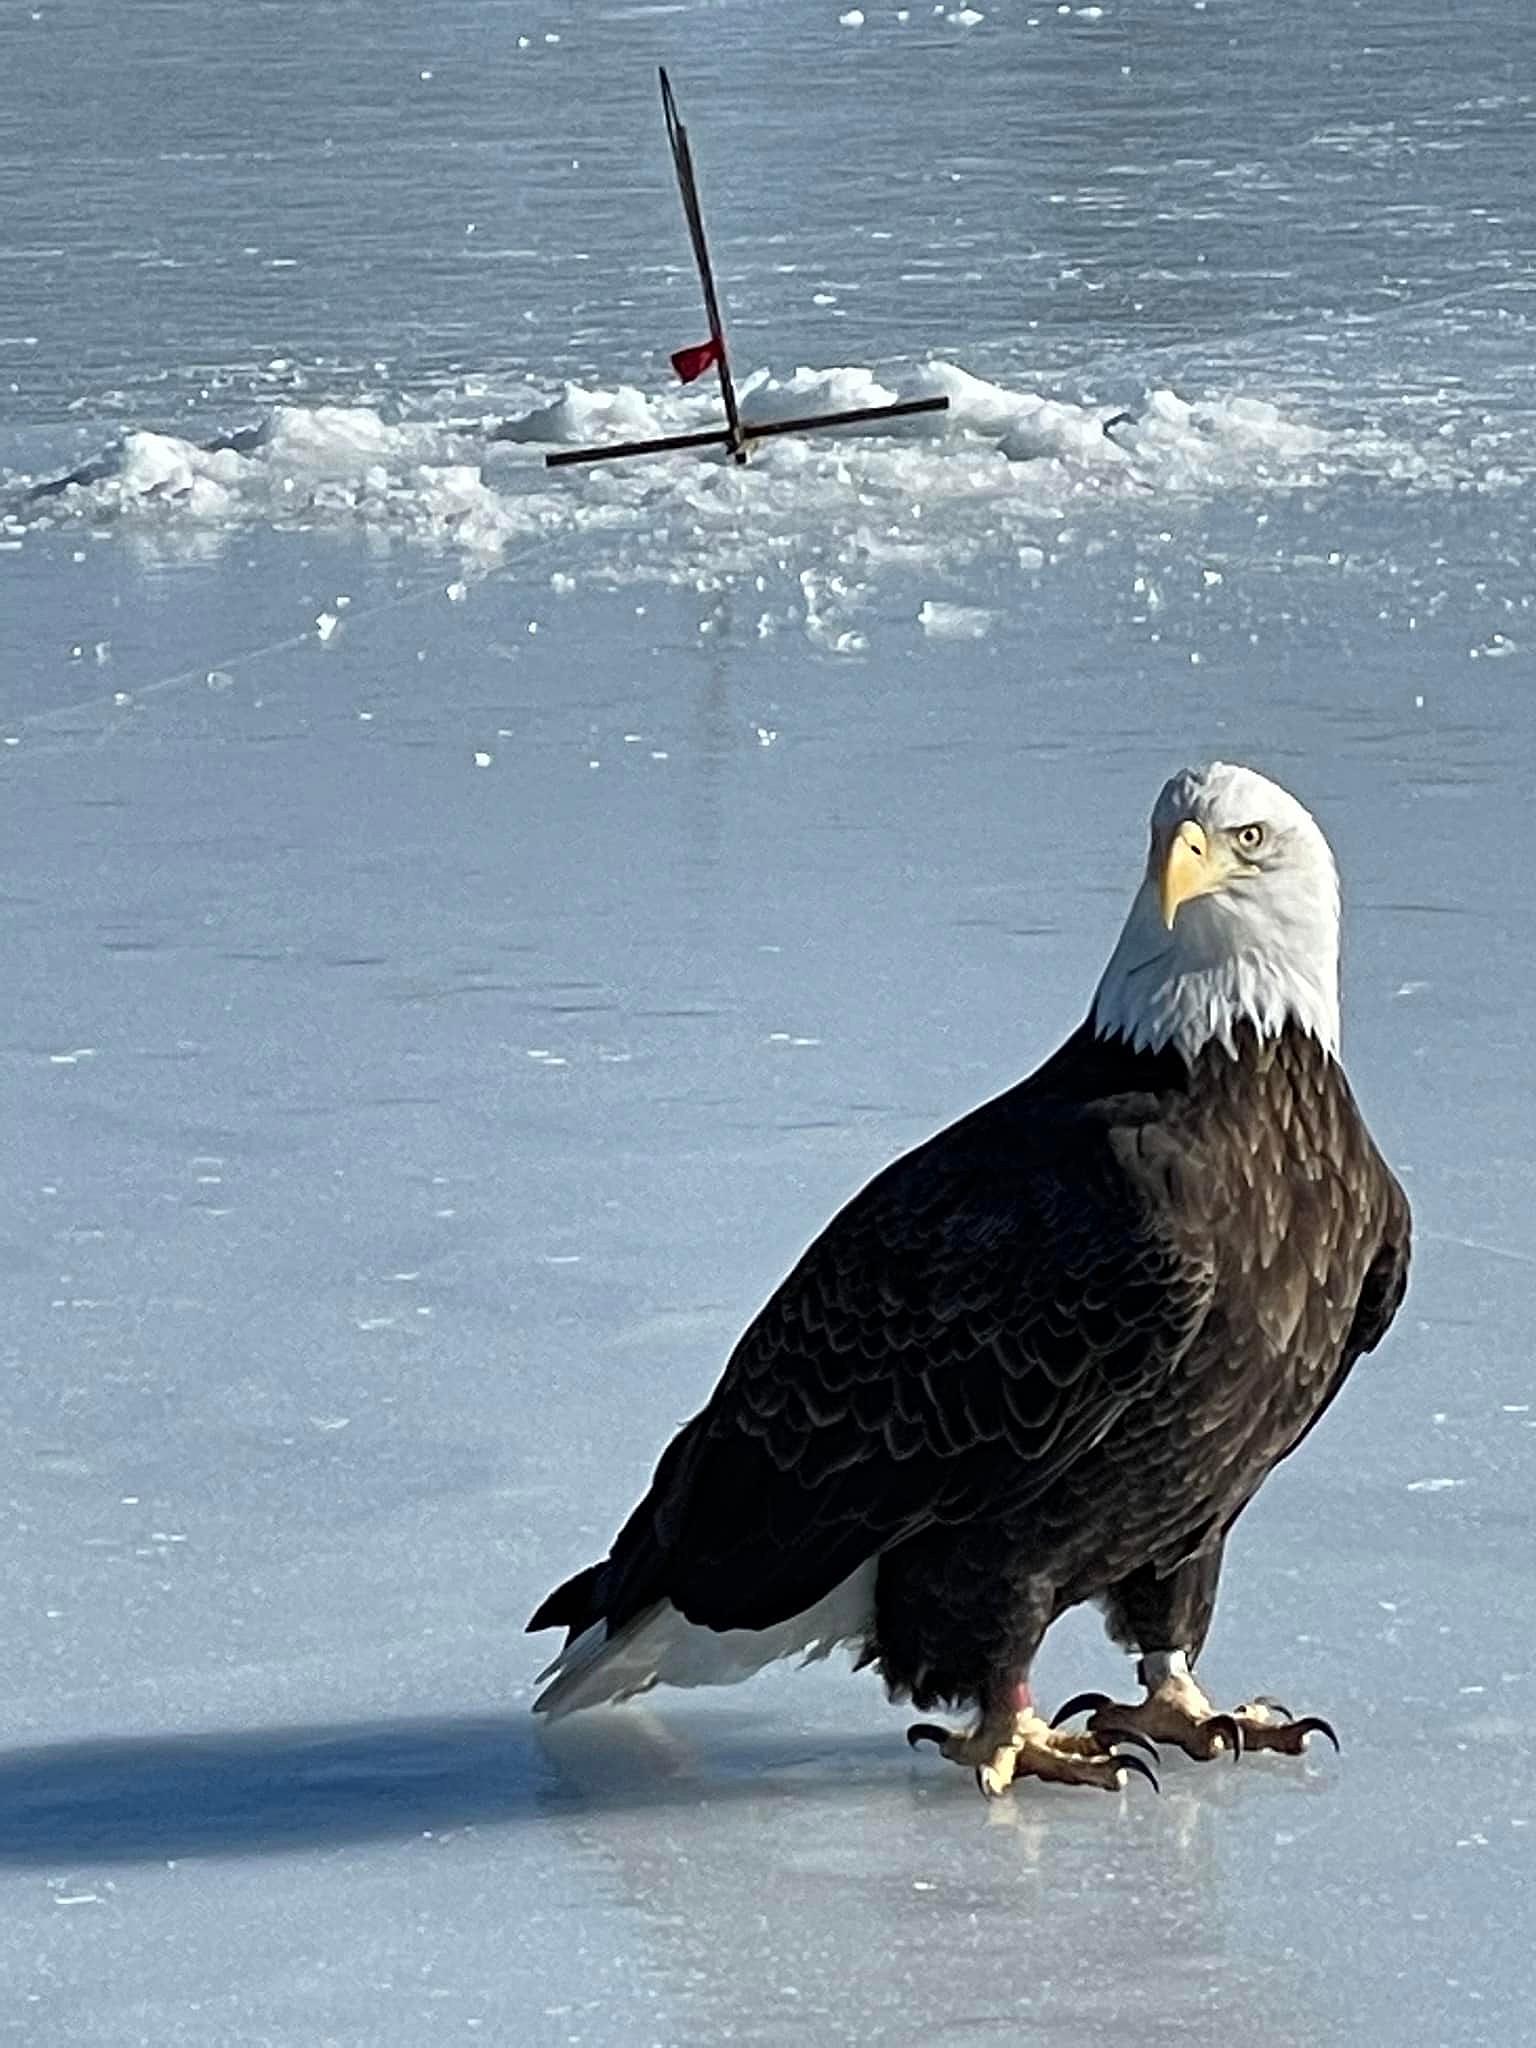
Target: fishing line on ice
[125,701]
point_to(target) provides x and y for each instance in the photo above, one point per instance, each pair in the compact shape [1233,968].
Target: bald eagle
[1050,1355]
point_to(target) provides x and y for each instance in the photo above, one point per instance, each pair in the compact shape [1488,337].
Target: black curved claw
[1080,1702]
[1110,1736]
[1267,1699]
[1229,1726]
[927,1731]
[1314,1724]
[1134,1763]
[987,1791]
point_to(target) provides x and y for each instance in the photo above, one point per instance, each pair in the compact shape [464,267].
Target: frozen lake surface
[466,927]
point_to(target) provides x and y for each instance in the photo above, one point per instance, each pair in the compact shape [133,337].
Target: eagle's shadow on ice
[253,1792]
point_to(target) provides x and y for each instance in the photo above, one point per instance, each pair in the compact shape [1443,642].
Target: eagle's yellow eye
[1249,837]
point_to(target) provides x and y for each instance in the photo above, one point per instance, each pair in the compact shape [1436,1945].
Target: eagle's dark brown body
[1046,1357]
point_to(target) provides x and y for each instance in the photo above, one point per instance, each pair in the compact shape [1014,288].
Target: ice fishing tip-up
[737,434]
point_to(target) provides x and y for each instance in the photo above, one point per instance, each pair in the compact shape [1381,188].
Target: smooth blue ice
[466,926]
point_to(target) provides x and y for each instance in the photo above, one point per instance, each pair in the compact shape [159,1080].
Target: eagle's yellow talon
[1007,1746]
[1176,1710]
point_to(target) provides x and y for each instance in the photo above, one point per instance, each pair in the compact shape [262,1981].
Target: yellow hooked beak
[1189,869]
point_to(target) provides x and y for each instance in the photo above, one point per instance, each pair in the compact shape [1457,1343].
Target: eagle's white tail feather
[658,1647]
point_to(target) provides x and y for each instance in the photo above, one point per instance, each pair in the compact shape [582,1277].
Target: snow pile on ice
[766,399]
[339,462]
[823,518]
[578,418]
[954,621]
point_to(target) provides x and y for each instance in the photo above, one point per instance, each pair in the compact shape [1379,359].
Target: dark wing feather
[969,1324]
[1378,1204]
[1386,1280]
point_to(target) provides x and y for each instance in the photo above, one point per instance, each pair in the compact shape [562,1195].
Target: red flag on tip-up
[693,362]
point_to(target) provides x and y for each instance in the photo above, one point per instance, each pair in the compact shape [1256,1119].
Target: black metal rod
[710,438]
[846,419]
[688,186]
[719,436]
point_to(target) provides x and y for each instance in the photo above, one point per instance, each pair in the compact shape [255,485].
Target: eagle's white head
[1236,920]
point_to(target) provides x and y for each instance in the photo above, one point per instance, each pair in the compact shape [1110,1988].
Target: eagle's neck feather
[1200,983]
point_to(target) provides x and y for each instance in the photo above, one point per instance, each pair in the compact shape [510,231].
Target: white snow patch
[927,494]
[578,417]
[954,621]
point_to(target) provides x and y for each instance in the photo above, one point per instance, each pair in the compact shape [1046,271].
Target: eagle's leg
[1012,1740]
[1174,1710]
[1168,1619]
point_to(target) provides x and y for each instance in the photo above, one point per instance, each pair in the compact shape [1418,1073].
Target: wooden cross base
[745,434]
